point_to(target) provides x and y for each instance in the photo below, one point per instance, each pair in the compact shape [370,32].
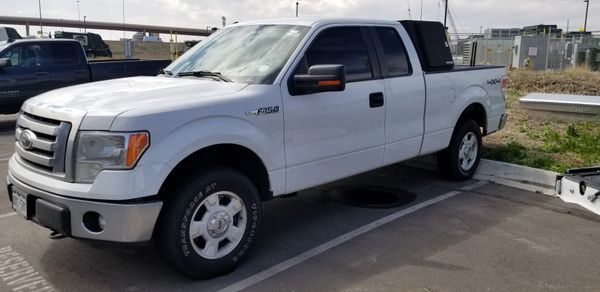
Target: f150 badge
[263,111]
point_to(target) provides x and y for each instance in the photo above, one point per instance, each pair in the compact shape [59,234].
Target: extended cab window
[64,53]
[345,46]
[395,62]
[26,56]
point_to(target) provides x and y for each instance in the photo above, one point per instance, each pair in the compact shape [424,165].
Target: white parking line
[4,159]
[18,275]
[276,269]
[8,215]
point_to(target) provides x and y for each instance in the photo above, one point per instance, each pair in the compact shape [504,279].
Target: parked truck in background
[29,67]
[9,33]
[257,110]
[92,43]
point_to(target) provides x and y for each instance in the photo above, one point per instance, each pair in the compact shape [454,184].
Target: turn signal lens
[330,82]
[137,144]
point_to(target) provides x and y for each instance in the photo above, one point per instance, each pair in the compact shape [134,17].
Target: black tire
[451,162]
[186,202]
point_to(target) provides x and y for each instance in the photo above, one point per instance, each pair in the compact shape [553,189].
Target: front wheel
[460,160]
[208,225]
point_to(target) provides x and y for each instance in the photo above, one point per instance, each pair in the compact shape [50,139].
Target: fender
[472,94]
[441,117]
[204,132]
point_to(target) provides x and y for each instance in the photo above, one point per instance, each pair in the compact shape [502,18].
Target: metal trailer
[580,186]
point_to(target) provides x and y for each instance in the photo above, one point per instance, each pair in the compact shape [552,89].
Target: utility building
[551,30]
[502,33]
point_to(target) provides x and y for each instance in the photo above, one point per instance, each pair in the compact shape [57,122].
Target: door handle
[40,73]
[79,71]
[376,99]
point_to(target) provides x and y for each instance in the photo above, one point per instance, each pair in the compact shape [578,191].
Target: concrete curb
[521,177]
[508,174]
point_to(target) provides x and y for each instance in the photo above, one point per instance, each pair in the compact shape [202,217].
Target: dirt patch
[550,145]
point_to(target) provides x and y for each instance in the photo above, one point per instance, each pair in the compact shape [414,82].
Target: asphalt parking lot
[467,236]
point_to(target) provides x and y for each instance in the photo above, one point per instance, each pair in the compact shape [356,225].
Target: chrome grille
[45,146]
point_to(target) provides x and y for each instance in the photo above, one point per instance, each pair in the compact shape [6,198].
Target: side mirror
[321,78]
[4,62]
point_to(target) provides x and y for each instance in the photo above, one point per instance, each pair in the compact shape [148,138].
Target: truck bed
[451,90]
[461,68]
[111,69]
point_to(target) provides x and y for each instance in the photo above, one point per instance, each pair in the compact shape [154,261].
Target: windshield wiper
[204,74]
[165,72]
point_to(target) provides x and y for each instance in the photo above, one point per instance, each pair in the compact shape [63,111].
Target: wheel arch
[474,111]
[230,155]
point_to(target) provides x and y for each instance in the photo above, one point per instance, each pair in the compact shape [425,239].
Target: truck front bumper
[98,220]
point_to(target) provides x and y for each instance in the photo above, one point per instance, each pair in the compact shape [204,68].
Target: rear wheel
[209,223]
[460,160]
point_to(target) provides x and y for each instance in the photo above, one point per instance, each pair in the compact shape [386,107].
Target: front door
[332,135]
[26,76]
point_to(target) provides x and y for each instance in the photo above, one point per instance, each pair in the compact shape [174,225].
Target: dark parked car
[29,67]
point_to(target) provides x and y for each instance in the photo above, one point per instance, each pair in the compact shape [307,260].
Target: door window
[345,46]
[25,56]
[64,53]
[395,62]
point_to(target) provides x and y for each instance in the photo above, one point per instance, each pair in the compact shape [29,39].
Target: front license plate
[19,203]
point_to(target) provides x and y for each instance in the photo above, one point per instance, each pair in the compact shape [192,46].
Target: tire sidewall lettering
[250,233]
[186,249]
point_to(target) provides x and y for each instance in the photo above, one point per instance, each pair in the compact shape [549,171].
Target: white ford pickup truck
[257,110]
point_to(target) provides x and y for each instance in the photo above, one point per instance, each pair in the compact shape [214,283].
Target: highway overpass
[33,21]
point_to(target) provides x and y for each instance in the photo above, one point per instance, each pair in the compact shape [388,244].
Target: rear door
[27,75]
[68,65]
[404,91]
[331,135]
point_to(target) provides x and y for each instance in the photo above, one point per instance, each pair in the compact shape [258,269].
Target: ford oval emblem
[26,139]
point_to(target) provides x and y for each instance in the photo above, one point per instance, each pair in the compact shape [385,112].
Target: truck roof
[16,41]
[318,21]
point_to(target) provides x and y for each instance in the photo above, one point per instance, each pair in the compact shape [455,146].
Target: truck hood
[113,97]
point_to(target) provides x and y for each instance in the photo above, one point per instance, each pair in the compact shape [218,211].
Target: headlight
[97,151]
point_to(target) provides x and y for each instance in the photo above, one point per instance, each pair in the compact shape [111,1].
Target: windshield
[244,54]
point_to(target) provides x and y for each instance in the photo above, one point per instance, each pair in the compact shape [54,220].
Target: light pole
[446,13]
[123,19]
[84,25]
[40,7]
[78,14]
[297,3]
[587,7]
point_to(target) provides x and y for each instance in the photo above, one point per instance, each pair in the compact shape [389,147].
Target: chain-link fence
[530,52]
